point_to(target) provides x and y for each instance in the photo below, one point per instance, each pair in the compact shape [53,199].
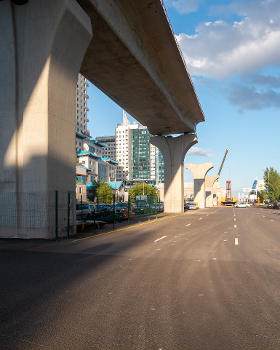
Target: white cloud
[196,151]
[220,49]
[183,6]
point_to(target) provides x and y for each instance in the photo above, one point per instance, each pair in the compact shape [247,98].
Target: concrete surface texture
[134,58]
[199,172]
[41,54]
[174,150]
[210,193]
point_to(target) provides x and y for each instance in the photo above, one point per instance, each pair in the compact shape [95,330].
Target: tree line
[272,186]
[103,193]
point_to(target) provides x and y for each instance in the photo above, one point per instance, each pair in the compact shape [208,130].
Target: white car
[241,205]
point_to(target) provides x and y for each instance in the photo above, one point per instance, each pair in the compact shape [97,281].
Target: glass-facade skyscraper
[139,154]
[145,160]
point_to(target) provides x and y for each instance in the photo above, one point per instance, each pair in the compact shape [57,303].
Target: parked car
[83,211]
[101,210]
[272,205]
[160,207]
[240,205]
[190,206]
[141,208]
[122,210]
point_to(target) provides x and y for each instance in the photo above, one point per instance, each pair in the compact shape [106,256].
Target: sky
[231,49]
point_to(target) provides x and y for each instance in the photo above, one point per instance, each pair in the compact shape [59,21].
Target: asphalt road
[207,279]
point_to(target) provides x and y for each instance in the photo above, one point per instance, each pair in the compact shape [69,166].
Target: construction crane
[221,167]
[228,201]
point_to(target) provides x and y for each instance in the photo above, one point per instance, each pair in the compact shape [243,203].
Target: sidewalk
[90,230]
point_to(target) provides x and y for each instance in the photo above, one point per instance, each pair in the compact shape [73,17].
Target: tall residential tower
[81,111]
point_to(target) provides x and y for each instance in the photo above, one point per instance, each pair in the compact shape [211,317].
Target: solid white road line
[236,241]
[160,238]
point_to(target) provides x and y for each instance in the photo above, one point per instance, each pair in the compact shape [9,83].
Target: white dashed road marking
[234,219]
[236,241]
[188,225]
[160,238]
[235,226]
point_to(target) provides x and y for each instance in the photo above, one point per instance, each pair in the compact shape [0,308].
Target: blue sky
[231,49]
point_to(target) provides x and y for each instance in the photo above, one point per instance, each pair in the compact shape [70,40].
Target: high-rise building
[159,166]
[81,112]
[109,149]
[122,147]
[137,158]
[139,154]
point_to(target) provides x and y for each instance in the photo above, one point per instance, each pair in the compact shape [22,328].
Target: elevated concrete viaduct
[124,47]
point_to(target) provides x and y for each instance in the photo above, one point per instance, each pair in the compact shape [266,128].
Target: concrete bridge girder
[199,172]
[139,67]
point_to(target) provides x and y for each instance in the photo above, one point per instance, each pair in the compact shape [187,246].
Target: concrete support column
[199,172]
[174,150]
[42,45]
[209,190]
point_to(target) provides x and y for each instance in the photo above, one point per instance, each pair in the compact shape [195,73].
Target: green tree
[262,195]
[104,193]
[92,191]
[142,188]
[272,184]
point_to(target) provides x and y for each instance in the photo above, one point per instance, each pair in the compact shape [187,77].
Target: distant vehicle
[101,210]
[240,205]
[160,207]
[122,209]
[273,205]
[83,211]
[141,208]
[190,206]
[248,205]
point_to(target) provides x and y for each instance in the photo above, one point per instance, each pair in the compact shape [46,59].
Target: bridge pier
[209,190]
[199,172]
[42,45]
[174,150]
